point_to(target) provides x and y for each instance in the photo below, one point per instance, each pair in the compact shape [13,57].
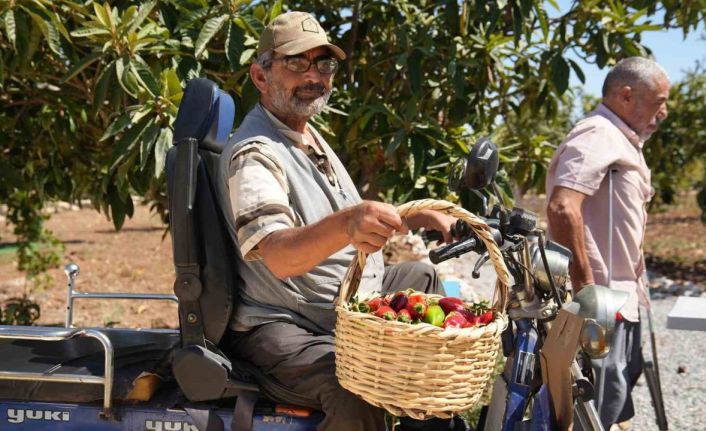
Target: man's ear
[257,74]
[626,94]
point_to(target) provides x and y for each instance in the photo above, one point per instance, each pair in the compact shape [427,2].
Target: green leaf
[87,32]
[122,69]
[646,27]
[250,23]
[164,142]
[100,90]
[543,23]
[10,28]
[103,14]
[56,19]
[82,64]
[207,32]
[275,11]
[414,67]
[234,45]
[246,55]
[145,11]
[397,139]
[560,73]
[116,127]
[119,207]
[578,71]
[144,76]
[147,139]
[171,86]
[126,143]
[51,35]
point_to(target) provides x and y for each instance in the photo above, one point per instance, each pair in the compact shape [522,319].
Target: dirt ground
[139,259]
[136,259]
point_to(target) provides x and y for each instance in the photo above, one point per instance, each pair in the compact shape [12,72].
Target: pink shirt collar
[633,137]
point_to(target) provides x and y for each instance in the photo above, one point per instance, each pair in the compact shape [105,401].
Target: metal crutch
[601,377]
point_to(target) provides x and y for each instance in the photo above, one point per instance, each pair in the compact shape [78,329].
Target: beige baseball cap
[293,33]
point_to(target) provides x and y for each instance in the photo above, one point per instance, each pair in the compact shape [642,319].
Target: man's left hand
[432,220]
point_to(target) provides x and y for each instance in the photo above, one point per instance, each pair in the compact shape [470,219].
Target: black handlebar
[452,250]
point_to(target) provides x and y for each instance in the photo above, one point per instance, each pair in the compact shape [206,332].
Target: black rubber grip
[455,249]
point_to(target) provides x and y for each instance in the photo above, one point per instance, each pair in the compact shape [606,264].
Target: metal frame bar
[73,294]
[60,334]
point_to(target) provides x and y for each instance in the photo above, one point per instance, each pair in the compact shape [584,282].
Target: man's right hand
[370,224]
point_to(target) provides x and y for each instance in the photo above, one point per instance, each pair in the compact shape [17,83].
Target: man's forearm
[295,251]
[567,228]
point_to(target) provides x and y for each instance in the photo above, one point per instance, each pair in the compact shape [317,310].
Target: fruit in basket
[375,303]
[471,318]
[399,301]
[451,303]
[435,315]
[486,317]
[362,307]
[455,320]
[404,316]
[386,312]
[417,311]
[416,298]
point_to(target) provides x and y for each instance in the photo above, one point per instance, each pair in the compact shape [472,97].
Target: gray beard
[293,106]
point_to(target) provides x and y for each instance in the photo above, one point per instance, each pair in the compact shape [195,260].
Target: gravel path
[684,393]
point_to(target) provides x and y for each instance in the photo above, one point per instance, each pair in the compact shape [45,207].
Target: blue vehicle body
[38,416]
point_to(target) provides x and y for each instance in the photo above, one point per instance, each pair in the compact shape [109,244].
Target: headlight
[592,339]
[597,305]
[558,259]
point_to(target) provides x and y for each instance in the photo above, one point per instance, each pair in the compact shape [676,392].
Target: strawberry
[374,303]
[386,313]
[450,303]
[399,301]
[404,316]
[417,311]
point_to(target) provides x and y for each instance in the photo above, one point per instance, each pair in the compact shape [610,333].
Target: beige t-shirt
[597,143]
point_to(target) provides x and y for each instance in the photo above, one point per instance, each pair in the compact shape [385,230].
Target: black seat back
[204,254]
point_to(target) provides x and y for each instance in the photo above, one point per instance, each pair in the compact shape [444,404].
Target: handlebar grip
[455,249]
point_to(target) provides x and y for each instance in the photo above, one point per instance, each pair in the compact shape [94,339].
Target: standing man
[611,138]
[298,220]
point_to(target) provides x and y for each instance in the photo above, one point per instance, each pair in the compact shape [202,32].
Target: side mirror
[481,165]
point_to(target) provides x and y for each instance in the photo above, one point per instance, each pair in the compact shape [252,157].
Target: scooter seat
[135,352]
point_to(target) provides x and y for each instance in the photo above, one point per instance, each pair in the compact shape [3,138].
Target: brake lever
[481,260]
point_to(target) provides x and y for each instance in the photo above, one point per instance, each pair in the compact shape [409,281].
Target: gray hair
[265,59]
[633,72]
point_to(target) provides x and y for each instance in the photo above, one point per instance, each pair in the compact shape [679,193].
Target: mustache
[312,87]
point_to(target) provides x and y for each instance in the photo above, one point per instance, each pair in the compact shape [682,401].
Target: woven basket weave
[421,371]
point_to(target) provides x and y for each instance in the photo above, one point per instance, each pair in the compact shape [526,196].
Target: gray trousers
[305,362]
[623,366]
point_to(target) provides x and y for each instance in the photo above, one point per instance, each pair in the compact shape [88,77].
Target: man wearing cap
[298,221]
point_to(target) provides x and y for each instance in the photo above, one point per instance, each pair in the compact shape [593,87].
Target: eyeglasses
[300,64]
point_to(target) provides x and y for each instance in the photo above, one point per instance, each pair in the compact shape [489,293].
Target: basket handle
[351,281]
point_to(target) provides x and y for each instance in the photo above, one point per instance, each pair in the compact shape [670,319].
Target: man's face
[647,107]
[298,94]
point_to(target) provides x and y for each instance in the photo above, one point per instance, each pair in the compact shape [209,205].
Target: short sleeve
[258,196]
[584,158]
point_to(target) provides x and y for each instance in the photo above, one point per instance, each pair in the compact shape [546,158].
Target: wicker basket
[420,371]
